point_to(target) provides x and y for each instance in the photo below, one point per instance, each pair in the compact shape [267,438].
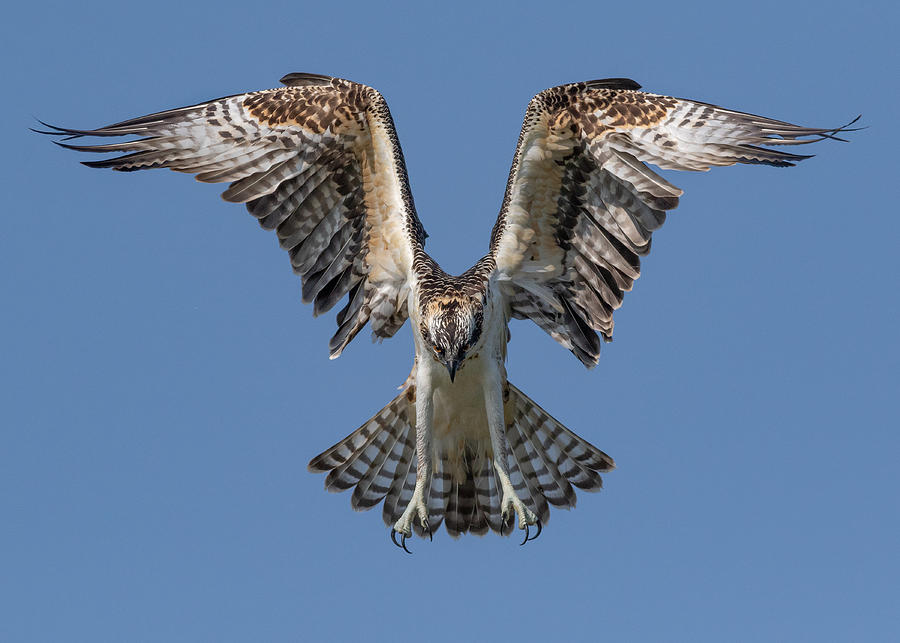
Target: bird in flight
[318,161]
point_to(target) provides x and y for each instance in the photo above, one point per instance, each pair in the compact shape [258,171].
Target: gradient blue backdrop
[163,387]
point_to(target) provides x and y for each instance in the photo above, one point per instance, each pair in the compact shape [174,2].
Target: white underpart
[468,411]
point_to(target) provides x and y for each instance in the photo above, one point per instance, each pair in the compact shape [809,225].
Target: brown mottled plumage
[318,162]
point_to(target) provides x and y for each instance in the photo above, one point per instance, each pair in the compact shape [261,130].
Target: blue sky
[163,387]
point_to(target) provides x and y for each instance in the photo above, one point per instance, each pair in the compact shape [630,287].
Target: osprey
[318,162]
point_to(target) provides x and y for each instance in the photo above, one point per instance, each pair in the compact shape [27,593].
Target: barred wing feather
[318,161]
[581,205]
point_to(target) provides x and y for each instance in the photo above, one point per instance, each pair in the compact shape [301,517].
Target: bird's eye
[437,349]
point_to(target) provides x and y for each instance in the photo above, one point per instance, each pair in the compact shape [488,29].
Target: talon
[402,543]
[540,528]
[528,536]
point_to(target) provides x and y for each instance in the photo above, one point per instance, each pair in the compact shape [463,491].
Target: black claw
[528,537]
[509,521]
[402,543]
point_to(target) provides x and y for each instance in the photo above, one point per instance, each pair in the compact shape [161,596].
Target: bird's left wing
[317,161]
[580,204]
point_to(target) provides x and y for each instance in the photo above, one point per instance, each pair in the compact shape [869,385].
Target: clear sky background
[162,387]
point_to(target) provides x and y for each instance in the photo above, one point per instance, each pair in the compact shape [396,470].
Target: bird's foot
[415,509]
[511,502]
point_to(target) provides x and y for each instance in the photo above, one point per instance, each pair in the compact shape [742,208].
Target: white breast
[460,416]
[459,411]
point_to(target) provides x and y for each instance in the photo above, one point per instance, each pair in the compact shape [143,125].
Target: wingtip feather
[300,79]
[613,83]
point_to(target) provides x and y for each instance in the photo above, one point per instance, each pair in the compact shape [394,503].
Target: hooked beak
[452,366]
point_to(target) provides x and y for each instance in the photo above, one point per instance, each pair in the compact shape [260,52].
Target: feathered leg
[493,398]
[417,506]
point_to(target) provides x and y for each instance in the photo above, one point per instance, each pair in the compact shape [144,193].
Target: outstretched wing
[581,205]
[318,161]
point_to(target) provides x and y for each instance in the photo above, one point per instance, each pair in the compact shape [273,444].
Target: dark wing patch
[317,161]
[581,205]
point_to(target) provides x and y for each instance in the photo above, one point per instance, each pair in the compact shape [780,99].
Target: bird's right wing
[318,161]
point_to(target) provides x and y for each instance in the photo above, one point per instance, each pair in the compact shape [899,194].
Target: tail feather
[380,433]
[525,466]
[487,492]
[576,471]
[377,482]
[460,507]
[478,523]
[545,461]
[407,489]
[405,467]
[547,478]
[355,468]
[576,459]
[346,448]
[438,495]
[519,484]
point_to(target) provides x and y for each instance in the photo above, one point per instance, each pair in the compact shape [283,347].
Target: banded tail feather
[546,462]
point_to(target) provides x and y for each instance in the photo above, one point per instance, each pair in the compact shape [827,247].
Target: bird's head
[451,327]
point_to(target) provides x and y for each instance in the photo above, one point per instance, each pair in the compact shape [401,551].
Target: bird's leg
[417,506]
[493,397]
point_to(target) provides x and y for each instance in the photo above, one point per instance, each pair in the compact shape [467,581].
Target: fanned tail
[546,460]
[375,456]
